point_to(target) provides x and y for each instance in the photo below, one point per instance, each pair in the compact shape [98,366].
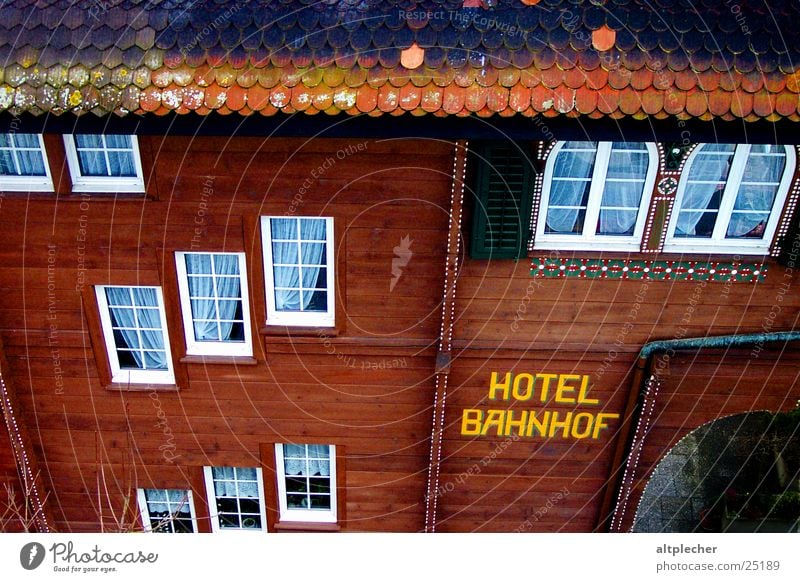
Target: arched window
[730,198]
[596,195]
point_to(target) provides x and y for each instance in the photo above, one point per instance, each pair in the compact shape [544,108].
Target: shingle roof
[705,59]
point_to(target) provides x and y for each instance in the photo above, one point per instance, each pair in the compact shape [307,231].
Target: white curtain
[201,292]
[144,313]
[307,460]
[23,156]
[92,152]
[235,482]
[210,304]
[705,184]
[756,195]
[286,253]
[576,167]
[625,177]
[228,292]
[157,501]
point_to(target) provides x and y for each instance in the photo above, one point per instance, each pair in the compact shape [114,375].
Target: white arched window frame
[588,239]
[719,242]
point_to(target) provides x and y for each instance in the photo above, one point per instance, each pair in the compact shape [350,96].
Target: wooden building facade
[211,325]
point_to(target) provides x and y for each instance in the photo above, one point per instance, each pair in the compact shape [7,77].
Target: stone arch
[744,464]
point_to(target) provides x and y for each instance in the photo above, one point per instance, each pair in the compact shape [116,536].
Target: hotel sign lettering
[565,389]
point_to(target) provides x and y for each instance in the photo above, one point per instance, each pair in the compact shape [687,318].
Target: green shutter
[502,197]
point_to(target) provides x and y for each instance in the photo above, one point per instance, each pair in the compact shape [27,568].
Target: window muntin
[596,195]
[167,510]
[134,328]
[298,269]
[236,498]
[730,198]
[306,482]
[214,302]
[104,163]
[23,163]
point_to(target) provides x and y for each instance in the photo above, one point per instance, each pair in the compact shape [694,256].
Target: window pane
[747,225]
[119,141]
[312,228]
[296,501]
[201,287]
[197,264]
[92,163]
[246,473]
[695,224]
[313,253]
[145,296]
[89,141]
[294,451]
[764,168]
[752,197]
[121,164]
[284,253]
[315,301]
[314,278]
[206,331]
[226,264]
[574,164]
[565,220]
[283,228]
[7,163]
[30,163]
[118,296]
[320,502]
[620,207]
[251,522]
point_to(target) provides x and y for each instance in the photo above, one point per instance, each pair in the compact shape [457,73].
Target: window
[23,163]
[502,213]
[730,198]
[596,195]
[298,270]
[237,494]
[167,510]
[213,290]
[134,328]
[104,163]
[306,482]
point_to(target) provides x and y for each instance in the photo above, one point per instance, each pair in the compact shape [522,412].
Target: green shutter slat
[503,182]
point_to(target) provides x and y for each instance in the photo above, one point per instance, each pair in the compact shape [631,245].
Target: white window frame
[129,376]
[23,183]
[213,348]
[304,515]
[122,184]
[717,243]
[298,318]
[212,502]
[145,512]
[589,240]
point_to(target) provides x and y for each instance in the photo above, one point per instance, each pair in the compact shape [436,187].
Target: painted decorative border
[640,269]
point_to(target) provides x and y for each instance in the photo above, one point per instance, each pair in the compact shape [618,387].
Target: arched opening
[735,474]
